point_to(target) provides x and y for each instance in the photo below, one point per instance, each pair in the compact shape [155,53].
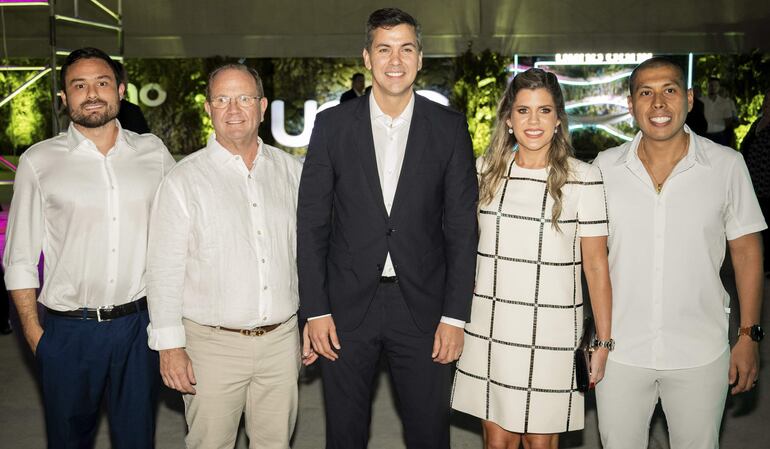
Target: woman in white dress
[542,215]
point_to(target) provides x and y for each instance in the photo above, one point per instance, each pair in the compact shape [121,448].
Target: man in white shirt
[83,199]
[720,114]
[674,198]
[221,275]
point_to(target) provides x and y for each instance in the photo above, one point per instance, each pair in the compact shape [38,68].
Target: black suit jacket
[348,95]
[131,118]
[344,232]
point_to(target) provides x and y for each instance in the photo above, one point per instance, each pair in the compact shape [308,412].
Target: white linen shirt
[222,246]
[669,307]
[88,214]
[716,111]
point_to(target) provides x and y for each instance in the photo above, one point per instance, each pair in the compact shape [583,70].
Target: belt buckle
[99,313]
[256,332]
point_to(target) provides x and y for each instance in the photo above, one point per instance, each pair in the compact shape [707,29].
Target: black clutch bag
[583,355]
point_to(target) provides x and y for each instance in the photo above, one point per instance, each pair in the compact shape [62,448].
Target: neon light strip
[689,71]
[608,129]
[8,164]
[597,81]
[67,52]
[26,84]
[107,10]
[614,100]
[77,21]
[23,4]
[16,68]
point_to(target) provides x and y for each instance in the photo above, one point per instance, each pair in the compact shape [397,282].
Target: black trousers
[422,386]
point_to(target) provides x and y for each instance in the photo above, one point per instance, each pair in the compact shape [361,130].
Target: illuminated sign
[277,118]
[597,58]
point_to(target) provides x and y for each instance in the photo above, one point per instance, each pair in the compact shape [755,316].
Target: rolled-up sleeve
[166,263]
[743,214]
[24,232]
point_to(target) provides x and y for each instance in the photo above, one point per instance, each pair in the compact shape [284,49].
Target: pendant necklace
[659,185]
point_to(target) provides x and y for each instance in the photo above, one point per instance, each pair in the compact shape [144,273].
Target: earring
[510,130]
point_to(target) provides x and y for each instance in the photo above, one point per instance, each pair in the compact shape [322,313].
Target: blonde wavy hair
[498,155]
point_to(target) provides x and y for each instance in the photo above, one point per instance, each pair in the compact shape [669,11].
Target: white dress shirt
[88,214]
[716,112]
[669,307]
[222,247]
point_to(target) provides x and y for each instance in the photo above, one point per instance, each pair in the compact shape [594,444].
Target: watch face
[757,333]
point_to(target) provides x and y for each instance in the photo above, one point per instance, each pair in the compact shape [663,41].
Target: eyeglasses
[244,101]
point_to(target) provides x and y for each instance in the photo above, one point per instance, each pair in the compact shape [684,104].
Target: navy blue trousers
[422,386]
[81,361]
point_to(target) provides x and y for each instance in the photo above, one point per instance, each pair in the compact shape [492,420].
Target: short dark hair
[123,72]
[654,63]
[87,53]
[235,66]
[388,18]
[356,76]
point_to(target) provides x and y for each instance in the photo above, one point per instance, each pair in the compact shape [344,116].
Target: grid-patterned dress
[517,367]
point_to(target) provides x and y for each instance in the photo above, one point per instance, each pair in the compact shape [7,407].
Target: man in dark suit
[130,115]
[386,244]
[356,88]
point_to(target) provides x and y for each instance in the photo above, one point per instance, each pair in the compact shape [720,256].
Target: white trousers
[239,374]
[693,401]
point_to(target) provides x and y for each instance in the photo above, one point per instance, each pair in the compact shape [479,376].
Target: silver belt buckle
[256,332]
[99,313]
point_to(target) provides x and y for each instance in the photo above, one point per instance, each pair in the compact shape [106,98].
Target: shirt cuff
[453,322]
[18,277]
[319,316]
[165,337]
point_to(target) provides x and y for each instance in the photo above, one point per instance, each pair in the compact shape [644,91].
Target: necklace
[659,185]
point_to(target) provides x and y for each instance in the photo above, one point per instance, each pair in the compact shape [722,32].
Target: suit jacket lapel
[365,144]
[416,142]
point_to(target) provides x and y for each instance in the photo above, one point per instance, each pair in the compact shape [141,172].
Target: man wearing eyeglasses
[221,274]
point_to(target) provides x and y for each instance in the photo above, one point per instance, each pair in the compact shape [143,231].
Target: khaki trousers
[692,399]
[239,374]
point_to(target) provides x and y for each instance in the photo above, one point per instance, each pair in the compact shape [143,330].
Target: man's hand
[598,364]
[447,343]
[176,370]
[33,334]
[744,365]
[323,336]
[308,354]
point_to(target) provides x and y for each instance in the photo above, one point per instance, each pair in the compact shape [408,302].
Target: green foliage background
[473,82]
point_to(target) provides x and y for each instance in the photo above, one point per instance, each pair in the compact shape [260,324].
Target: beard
[93,120]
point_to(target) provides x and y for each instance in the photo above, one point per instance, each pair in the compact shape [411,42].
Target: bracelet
[607,344]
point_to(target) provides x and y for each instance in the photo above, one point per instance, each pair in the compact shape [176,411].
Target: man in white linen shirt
[674,198]
[719,112]
[222,278]
[83,199]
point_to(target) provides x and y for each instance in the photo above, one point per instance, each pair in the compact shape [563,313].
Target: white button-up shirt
[88,214]
[669,307]
[390,135]
[222,249]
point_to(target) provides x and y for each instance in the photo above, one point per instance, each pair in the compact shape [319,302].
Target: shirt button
[263,261]
[114,218]
[264,318]
[253,204]
[112,281]
[264,288]
[259,232]
[113,250]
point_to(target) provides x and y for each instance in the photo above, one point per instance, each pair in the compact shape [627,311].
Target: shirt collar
[223,156]
[695,151]
[76,139]
[377,115]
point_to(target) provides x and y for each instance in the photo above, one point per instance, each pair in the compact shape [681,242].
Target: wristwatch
[754,332]
[607,344]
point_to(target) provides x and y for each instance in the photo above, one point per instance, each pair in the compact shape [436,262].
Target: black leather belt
[389,280]
[104,313]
